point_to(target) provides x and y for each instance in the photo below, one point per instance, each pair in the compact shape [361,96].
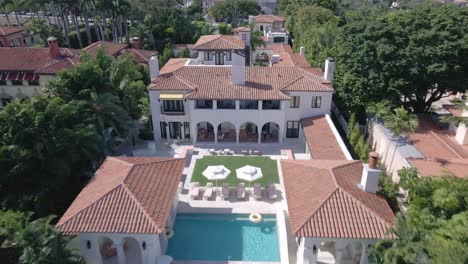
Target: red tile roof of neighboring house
[36,60]
[6,31]
[219,42]
[440,167]
[268,19]
[111,48]
[321,141]
[126,195]
[262,83]
[241,29]
[324,201]
[141,56]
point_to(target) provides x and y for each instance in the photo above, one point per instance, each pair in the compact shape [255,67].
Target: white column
[215,131]
[193,132]
[260,105]
[305,252]
[167,132]
[120,253]
[363,259]
[280,134]
[215,104]
[237,134]
[155,116]
[259,134]
[340,247]
[237,104]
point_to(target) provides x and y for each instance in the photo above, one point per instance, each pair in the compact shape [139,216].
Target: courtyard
[269,169]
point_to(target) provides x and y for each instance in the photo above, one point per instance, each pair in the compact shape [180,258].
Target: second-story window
[248,104]
[316,101]
[295,100]
[226,104]
[173,106]
[207,55]
[33,82]
[228,56]
[271,104]
[2,82]
[17,82]
[204,104]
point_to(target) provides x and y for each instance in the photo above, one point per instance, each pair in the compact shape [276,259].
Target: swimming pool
[223,237]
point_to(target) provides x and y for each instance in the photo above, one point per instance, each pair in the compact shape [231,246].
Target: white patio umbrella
[249,173]
[215,173]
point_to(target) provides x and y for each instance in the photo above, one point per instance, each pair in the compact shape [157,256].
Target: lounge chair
[195,191]
[241,191]
[257,152]
[245,152]
[225,191]
[208,191]
[272,193]
[257,192]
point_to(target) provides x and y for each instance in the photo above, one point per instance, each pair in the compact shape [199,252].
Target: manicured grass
[269,169]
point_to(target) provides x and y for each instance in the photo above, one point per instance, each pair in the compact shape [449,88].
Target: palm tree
[256,39]
[401,122]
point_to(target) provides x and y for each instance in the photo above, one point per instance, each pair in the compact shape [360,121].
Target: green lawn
[268,166]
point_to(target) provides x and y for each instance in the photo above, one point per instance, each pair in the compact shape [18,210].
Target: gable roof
[219,42]
[268,19]
[141,56]
[321,141]
[36,60]
[6,31]
[262,83]
[126,195]
[324,201]
[110,48]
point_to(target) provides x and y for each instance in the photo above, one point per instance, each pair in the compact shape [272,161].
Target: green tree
[412,57]
[202,28]
[256,39]
[234,11]
[39,241]
[224,28]
[460,105]
[185,53]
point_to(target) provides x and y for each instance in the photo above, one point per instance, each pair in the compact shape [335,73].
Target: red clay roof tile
[219,42]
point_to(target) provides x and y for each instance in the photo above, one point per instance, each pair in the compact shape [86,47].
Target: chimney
[329,69]
[275,58]
[370,174]
[136,43]
[238,69]
[154,67]
[251,18]
[54,50]
[302,50]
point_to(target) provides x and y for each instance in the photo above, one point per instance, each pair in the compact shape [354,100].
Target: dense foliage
[38,241]
[357,140]
[436,228]
[50,146]
[234,11]
[412,57]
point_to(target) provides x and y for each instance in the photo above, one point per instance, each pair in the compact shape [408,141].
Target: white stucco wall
[240,116]
[92,255]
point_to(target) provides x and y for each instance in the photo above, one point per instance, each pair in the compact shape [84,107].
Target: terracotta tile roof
[219,42]
[262,83]
[324,201]
[111,48]
[268,19]
[438,167]
[173,65]
[35,59]
[5,31]
[126,195]
[141,56]
[322,143]
[241,29]
[183,46]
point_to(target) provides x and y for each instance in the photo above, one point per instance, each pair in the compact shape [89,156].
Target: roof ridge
[91,204]
[291,82]
[140,206]
[369,210]
[316,210]
[92,45]
[193,86]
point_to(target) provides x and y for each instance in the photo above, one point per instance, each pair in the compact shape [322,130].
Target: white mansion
[218,97]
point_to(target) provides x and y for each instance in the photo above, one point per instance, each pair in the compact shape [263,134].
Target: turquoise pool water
[223,237]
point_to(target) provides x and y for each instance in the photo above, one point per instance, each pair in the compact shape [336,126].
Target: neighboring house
[15,37]
[272,27]
[207,4]
[178,48]
[433,149]
[334,210]
[123,213]
[24,71]
[216,98]
[218,49]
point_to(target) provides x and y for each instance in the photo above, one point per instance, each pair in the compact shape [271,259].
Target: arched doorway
[261,28]
[262,59]
[270,132]
[108,250]
[248,132]
[226,132]
[132,251]
[205,132]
